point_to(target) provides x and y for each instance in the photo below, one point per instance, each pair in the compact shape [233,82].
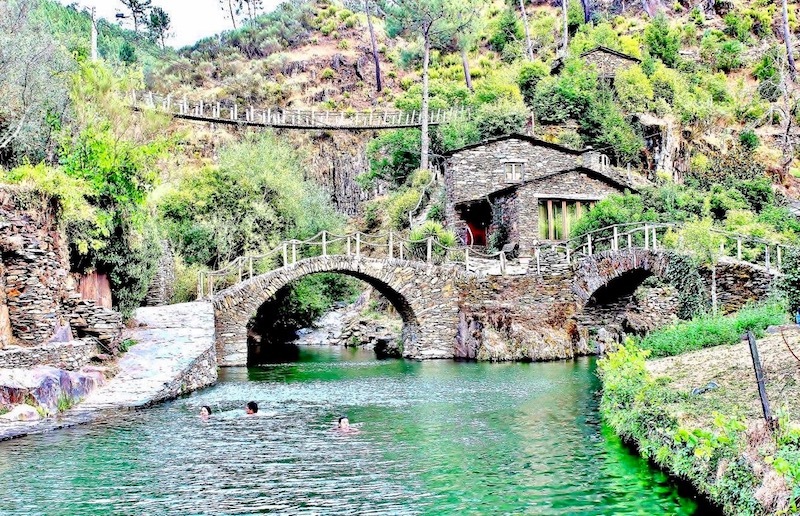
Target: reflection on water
[436,438]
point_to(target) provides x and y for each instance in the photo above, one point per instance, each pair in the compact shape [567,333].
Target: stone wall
[607,63]
[5,321]
[739,283]
[69,356]
[201,372]
[163,285]
[89,320]
[36,264]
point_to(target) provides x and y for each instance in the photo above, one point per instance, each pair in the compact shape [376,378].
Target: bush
[749,140]
[714,330]
[662,41]
[442,238]
[399,206]
[499,119]
[529,76]
[634,90]
[507,29]
[394,155]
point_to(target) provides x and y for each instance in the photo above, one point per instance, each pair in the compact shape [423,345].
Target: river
[435,438]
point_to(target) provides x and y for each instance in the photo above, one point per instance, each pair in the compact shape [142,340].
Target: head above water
[205,411]
[251,407]
[344,422]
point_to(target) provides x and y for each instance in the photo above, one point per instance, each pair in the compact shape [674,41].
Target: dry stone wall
[69,356]
[739,283]
[163,285]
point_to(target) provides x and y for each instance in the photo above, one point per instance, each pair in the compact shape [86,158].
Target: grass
[713,330]
[126,344]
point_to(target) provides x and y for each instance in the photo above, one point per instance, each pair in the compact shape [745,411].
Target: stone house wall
[36,263]
[607,64]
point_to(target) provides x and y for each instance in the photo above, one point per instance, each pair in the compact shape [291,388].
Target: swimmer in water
[205,412]
[251,408]
[344,426]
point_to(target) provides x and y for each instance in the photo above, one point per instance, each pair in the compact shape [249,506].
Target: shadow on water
[436,438]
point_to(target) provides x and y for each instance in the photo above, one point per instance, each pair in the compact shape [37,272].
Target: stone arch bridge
[450,305]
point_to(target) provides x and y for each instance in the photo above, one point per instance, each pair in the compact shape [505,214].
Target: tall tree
[253,8]
[159,25]
[787,40]
[367,10]
[529,46]
[432,20]
[232,8]
[565,16]
[139,10]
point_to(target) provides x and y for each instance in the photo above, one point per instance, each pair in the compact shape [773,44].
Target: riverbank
[174,354]
[698,415]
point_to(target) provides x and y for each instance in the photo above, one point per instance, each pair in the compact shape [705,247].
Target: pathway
[175,354]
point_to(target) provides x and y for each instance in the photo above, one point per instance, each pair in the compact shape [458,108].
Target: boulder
[45,387]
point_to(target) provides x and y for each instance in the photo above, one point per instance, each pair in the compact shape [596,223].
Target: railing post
[210,285]
[502,263]
[616,240]
[285,255]
[655,237]
[200,286]
[739,249]
[294,251]
[358,246]
[630,241]
[430,249]
[402,245]
[466,259]
[766,255]
[250,266]
[778,249]
[348,245]
[391,244]
[646,236]
[239,266]
[567,248]
[589,243]
[324,243]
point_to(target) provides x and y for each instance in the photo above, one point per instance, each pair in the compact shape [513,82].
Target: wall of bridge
[448,313]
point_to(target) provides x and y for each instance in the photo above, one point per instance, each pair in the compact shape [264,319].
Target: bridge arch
[416,290]
[608,276]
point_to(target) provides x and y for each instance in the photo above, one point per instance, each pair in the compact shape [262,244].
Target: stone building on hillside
[518,189]
[607,62]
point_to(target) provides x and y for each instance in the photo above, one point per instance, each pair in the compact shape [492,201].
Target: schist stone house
[523,190]
[607,62]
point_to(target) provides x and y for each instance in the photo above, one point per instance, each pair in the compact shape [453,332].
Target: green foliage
[400,204]
[567,96]
[440,237]
[633,88]
[126,345]
[790,284]
[636,406]
[247,204]
[604,127]
[529,76]
[507,29]
[720,52]
[714,330]
[394,155]
[501,118]
[662,41]
[749,140]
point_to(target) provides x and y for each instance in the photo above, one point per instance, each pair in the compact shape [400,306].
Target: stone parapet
[69,356]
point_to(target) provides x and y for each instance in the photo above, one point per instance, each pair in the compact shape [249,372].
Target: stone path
[175,354]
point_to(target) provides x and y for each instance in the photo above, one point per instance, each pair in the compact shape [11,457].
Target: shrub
[399,206]
[442,238]
[633,88]
[749,140]
[327,73]
[714,330]
[529,76]
[506,30]
[501,118]
[394,155]
[662,41]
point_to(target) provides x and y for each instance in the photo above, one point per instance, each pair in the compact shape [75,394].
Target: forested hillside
[707,113]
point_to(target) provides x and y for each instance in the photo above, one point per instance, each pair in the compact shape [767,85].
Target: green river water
[435,438]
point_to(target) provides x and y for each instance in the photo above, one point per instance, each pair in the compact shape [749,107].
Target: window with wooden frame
[514,171]
[558,216]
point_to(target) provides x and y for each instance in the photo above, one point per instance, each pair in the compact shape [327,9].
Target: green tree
[139,10]
[159,25]
[662,41]
[430,19]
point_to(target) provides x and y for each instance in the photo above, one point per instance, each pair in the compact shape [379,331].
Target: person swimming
[205,412]
[344,426]
[251,408]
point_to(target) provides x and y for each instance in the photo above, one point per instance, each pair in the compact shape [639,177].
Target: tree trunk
[587,11]
[714,289]
[423,161]
[378,85]
[233,17]
[529,48]
[465,64]
[787,39]
[564,9]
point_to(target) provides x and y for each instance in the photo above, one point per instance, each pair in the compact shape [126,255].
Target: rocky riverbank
[174,354]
